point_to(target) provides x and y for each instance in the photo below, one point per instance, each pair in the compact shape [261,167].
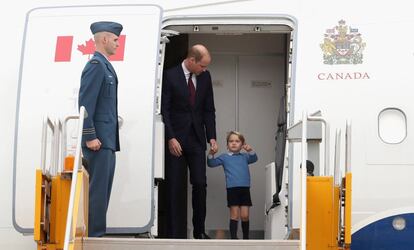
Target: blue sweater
[235,167]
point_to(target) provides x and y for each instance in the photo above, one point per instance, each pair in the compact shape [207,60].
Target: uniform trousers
[101,168]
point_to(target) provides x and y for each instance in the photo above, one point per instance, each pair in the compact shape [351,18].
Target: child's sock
[245,228]
[233,229]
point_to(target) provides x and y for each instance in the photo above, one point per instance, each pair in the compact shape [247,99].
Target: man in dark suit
[188,111]
[100,139]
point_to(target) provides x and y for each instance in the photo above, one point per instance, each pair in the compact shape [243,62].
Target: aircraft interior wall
[249,79]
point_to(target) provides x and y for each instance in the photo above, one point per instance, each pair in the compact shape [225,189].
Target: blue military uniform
[98,94]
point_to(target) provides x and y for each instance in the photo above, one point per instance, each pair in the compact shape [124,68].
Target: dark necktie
[191,90]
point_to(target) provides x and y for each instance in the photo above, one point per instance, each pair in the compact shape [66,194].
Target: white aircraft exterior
[351,60]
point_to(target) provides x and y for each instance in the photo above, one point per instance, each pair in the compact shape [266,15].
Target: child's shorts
[238,196]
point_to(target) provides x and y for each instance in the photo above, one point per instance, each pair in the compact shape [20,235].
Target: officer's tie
[191,90]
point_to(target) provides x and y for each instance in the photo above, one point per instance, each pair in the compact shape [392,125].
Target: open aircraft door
[57,45]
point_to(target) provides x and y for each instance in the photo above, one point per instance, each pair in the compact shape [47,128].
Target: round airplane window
[392,125]
[398,223]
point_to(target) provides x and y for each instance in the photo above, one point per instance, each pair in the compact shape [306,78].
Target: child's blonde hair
[236,133]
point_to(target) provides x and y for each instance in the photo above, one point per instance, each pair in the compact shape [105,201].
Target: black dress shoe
[202,236]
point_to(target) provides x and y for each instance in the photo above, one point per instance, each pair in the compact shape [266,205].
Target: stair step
[187,244]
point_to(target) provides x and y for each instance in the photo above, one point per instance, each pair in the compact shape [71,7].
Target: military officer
[100,140]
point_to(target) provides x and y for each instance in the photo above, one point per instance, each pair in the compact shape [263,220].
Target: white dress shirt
[187,75]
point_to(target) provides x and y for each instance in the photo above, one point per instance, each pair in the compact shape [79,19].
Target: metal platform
[155,244]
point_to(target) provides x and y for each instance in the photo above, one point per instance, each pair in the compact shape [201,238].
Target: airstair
[62,200]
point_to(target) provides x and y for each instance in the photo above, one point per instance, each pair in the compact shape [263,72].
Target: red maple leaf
[88,48]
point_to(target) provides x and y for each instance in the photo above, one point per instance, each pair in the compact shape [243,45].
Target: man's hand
[175,147]
[213,146]
[94,145]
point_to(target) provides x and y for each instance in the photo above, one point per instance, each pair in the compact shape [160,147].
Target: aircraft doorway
[250,72]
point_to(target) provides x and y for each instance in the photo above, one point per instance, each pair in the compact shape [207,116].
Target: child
[237,173]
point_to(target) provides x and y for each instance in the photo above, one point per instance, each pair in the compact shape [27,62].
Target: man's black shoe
[202,236]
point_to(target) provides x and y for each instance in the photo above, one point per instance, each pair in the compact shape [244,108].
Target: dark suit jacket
[98,93]
[179,116]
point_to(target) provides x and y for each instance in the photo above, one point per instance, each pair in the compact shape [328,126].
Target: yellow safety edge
[39,201]
[348,208]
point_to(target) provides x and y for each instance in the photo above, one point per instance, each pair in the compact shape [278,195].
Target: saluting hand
[175,147]
[94,144]
[247,147]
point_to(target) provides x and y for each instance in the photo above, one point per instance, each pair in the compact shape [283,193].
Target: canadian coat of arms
[342,45]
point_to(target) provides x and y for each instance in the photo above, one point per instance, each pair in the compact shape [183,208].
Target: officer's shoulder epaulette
[94,61]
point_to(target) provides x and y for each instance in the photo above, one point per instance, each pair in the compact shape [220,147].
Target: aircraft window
[392,125]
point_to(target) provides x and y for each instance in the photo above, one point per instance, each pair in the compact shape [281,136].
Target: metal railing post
[337,171]
[82,114]
[56,146]
[64,137]
[326,142]
[47,122]
[303,181]
[348,147]
[63,146]
[44,146]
